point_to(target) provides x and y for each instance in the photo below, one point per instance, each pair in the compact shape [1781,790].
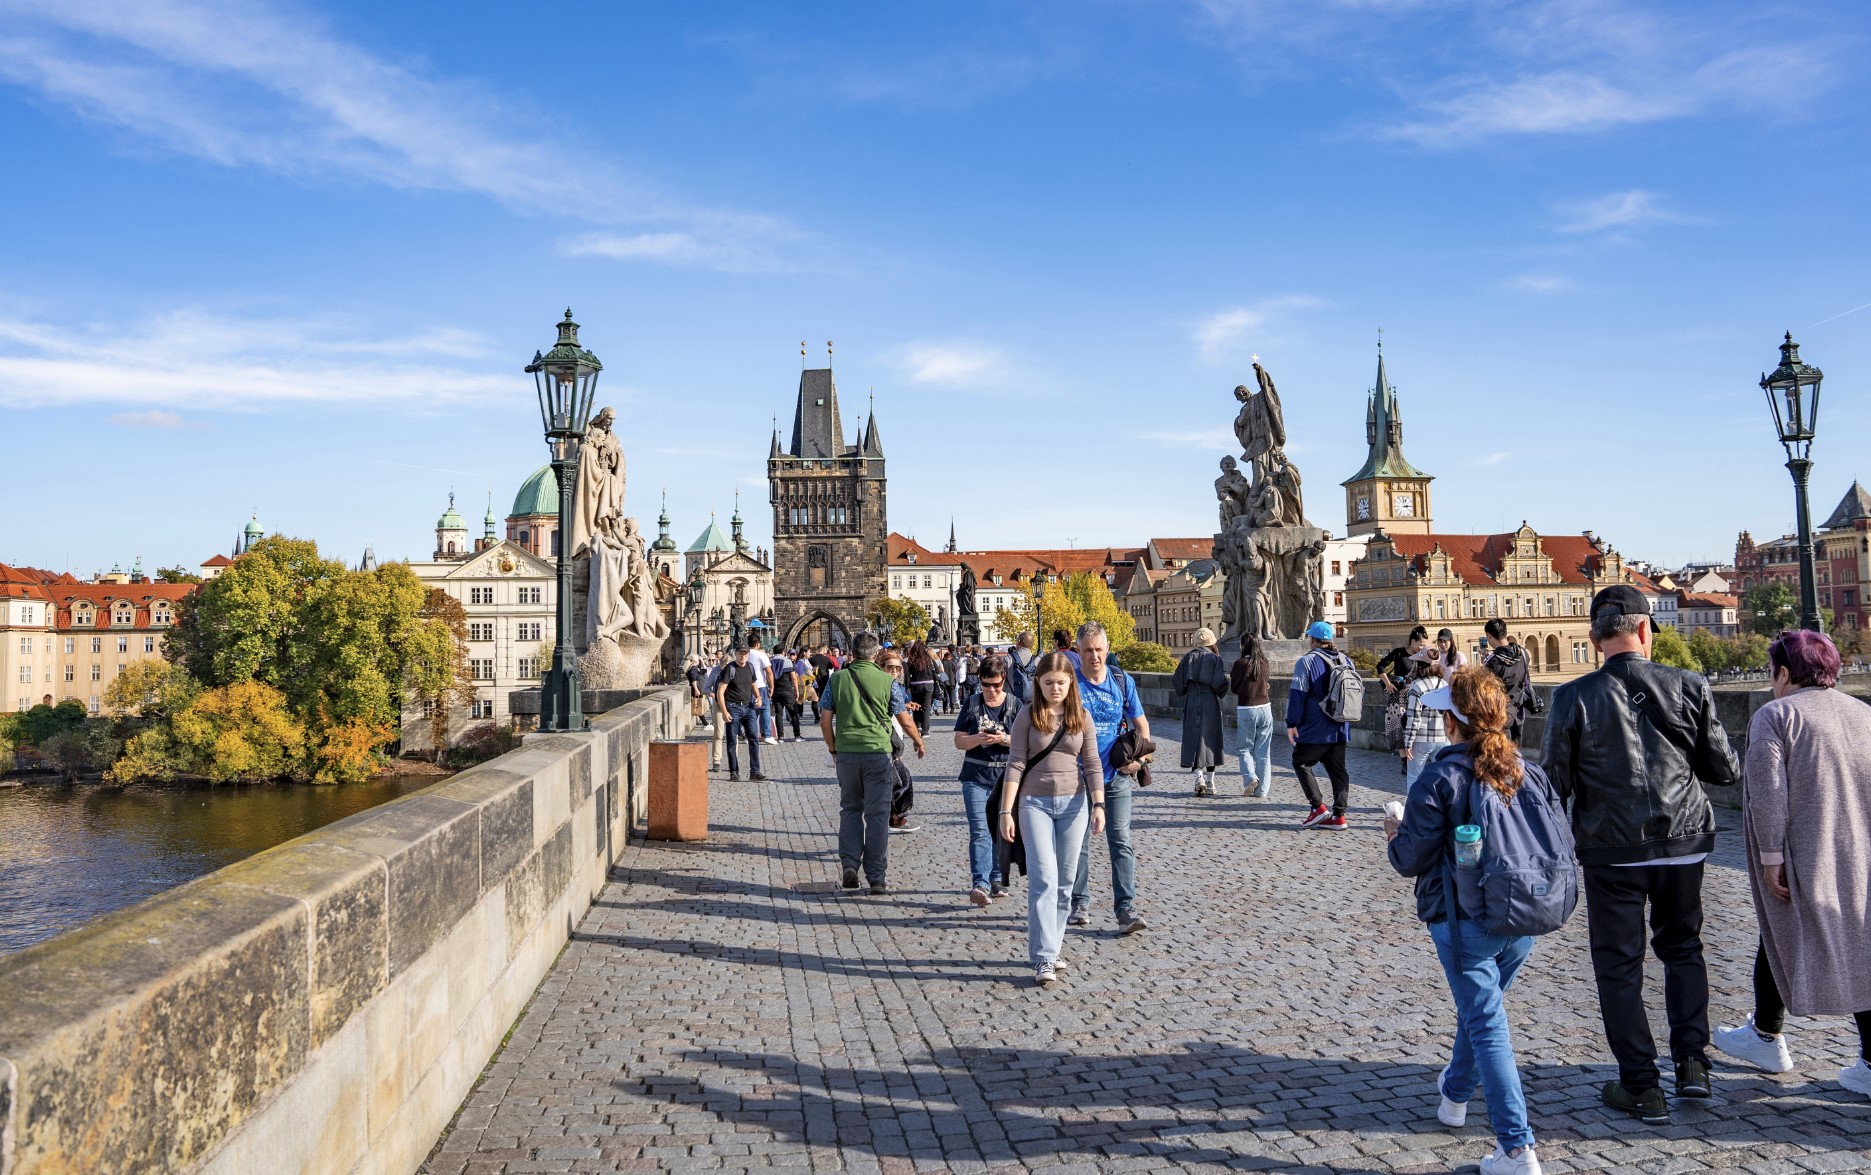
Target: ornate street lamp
[1793,396]
[718,624]
[1039,614]
[696,591]
[566,378]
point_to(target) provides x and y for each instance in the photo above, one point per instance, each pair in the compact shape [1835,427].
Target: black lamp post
[696,589]
[718,624]
[1793,395]
[567,378]
[1039,614]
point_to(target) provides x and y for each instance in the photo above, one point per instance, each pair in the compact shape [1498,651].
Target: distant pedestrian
[1423,733]
[695,675]
[1110,696]
[1251,679]
[1508,662]
[1453,660]
[1807,814]
[902,784]
[763,677]
[822,666]
[859,708]
[1625,745]
[945,680]
[983,733]
[1020,666]
[1055,789]
[1482,768]
[735,691]
[919,670]
[1200,681]
[787,705]
[1395,671]
[1317,738]
[1062,643]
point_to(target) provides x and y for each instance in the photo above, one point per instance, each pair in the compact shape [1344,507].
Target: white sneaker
[1452,1114]
[1744,1043]
[1044,975]
[1857,1078]
[1502,1163]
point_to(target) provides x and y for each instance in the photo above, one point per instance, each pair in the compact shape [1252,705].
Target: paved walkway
[726,1006]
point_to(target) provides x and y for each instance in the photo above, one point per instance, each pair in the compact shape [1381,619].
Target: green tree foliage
[39,725]
[440,679]
[1068,603]
[87,750]
[1669,648]
[176,575]
[1365,661]
[150,690]
[240,733]
[1146,657]
[899,621]
[1771,609]
[1708,651]
[1715,654]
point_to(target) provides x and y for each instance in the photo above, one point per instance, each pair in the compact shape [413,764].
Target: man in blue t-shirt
[1315,737]
[1111,696]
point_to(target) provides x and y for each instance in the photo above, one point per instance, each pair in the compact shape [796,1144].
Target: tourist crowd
[1500,847]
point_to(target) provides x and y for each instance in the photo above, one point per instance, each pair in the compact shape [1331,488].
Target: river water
[70,854]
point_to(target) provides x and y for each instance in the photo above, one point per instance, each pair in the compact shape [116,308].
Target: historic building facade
[830,527]
[63,639]
[1410,574]
[1843,561]
[1187,599]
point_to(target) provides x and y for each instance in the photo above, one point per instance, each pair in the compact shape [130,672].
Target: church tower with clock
[1387,493]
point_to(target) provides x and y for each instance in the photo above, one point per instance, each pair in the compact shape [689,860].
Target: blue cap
[1319,630]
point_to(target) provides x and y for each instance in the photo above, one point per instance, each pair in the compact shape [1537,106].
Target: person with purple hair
[1807,810]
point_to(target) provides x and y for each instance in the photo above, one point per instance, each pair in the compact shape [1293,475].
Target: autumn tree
[1077,598]
[440,678]
[1147,657]
[899,621]
[1669,648]
[240,733]
[176,575]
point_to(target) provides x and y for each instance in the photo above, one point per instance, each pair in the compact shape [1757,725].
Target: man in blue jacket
[1316,739]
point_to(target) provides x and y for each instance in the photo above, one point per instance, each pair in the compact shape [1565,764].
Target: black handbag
[1015,850]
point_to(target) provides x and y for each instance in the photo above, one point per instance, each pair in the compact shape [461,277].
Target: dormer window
[123,614]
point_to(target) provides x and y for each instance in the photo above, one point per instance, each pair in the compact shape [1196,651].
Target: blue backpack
[1527,882]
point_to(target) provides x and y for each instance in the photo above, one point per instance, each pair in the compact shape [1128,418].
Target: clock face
[1404,505]
[1364,507]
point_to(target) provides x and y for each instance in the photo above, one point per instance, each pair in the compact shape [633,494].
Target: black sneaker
[757,777]
[1692,1078]
[851,879]
[878,887]
[734,777]
[1648,1106]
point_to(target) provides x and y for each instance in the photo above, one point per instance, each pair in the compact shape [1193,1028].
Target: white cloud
[194,360]
[1490,459]
[1227,332]
[1541,283]
[954,365]
[1616,210]
[154,418]
[249,85]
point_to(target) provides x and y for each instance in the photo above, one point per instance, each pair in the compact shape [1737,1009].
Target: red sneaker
[1332,824]
[1317,814]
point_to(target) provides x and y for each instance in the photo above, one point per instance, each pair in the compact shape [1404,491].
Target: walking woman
[1251,680]
[786,700]
[984,732]
[1200,681]
[1806,804]
[1422,727]
[1054,779]
[1480,967]
[902,787]
[920,675]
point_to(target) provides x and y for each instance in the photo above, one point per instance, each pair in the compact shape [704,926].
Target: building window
[1335,566]
[529,631]
[481,632]
[480,595]
[481,708]
[123,644]
[529,668]
[1338,599]
[1848,597]
[97,644]
[928,581]
[93,704]
[70,672]
[896,582]
[481,668]
[530,595]
[25,673]
[123,615]
[1439,615]
[161,614]
[149,644]
[97,672]
[25,644]
[71,644]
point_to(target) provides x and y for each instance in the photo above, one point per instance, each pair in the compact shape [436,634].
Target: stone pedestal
[678,791]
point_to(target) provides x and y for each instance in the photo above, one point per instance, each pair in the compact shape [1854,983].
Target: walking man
[1316,739]
[735,691]
[1624,746]
[1020,669]
[856,713]
[1111,696]
[763,680]
[1509,663]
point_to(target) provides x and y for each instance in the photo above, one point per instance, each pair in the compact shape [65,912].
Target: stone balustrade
[324,1006]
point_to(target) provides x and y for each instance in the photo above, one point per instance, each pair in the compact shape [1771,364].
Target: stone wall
[326,1005]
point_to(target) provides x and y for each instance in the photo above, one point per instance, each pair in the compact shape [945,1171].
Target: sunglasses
[992,683]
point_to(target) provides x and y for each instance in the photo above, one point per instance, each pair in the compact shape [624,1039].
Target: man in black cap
[1625,746]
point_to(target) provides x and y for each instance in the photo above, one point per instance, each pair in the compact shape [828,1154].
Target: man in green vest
[855,715]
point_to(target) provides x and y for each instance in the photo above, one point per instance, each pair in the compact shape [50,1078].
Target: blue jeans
[1254,727]
[1054,828]
[742,721]
[974,798]
[1484,1046]
[1420,755]
[1123,857]
[765,711]
[866,782]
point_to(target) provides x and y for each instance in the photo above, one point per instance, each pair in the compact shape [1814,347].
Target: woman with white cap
[1423,735]
[1200,681]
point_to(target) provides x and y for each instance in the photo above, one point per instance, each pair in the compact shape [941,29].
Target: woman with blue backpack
[1483,834]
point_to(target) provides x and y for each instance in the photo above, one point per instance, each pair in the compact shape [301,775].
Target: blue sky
[292,257]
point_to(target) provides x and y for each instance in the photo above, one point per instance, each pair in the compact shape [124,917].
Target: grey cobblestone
[726,1006]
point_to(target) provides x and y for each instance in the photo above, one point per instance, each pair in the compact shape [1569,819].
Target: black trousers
[923,694]
[1615,897]
[1770,1011]
[1331,756]
[783,710]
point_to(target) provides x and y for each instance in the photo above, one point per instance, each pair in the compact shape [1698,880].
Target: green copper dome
[254,529]
[449,519]
[539,494]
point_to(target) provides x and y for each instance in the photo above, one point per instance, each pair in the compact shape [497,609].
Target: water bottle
[1394,810]
[1468,846]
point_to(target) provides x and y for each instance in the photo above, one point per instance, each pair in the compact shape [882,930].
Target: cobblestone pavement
[726,1006]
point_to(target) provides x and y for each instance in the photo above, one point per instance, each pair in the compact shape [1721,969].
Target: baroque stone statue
[967,623]
[598,501]
[1266,548]
[614,585]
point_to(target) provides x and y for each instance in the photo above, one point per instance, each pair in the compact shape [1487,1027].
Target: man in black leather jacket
[1625,746]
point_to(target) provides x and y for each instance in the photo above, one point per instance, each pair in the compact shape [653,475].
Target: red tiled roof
[1476,558]
[103,597]
[1017,565]
[1645,584]
[1708,600]
[1184,548]
[216,561]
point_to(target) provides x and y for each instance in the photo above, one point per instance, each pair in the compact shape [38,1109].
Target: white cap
[1442,699]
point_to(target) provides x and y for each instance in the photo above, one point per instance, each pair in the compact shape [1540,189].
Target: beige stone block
[386,1047]
[552,805]
[320,1123]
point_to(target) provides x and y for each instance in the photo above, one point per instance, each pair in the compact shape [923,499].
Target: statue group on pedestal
[623,622]
[1271,555]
